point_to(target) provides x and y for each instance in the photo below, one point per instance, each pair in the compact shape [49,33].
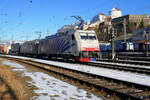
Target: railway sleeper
[120,87]
[128,90]
[105,88]
[91,81]
[94,81]
[142,94]
[111,86]
[143,97]
[132,92]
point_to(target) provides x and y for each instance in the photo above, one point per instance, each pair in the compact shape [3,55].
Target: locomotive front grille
[89,54]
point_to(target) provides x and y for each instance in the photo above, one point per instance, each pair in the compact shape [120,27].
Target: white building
[86,25]
[115,12]
[98,18]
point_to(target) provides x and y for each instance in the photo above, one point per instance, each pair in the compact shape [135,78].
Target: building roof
[101,14]
[115,8]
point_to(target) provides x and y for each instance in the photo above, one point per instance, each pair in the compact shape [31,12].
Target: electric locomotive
[78,45]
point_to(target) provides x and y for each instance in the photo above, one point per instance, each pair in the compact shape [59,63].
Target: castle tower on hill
[115,12]
[101,17]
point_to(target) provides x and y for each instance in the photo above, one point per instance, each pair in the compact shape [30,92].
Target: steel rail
[118,66]
[123,89]
[124,61]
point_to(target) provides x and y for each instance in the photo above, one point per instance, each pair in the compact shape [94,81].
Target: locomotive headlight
[83,49]
[96,48]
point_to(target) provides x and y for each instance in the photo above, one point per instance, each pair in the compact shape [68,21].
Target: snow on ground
[121,75]
[50,88]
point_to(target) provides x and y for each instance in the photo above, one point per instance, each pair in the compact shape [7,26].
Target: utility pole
[125,34]
[146,40]
[12,38]
[39,34]
[23,36]
[113,44]
[111,31]
[27,36]
[0,40]
[71,43]
[47,32]
[124,30]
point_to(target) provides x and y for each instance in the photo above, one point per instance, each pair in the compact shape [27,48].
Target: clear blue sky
[20,18]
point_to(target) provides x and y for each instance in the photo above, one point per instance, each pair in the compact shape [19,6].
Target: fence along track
[122,89]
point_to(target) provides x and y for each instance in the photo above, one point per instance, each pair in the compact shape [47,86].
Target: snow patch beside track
[120,75]
[50,88]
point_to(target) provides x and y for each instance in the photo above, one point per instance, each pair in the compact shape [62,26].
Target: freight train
[77,45]
[1,49]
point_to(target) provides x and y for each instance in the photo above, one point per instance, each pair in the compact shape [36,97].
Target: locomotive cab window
[92,36]
[84,36]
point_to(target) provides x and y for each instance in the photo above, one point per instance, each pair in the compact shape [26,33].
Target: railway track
[117,65]
[126,61]
[137,58]
[122,89]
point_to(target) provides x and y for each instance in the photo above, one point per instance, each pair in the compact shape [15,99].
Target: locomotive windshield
[89,36]
[92,36]
[84,36]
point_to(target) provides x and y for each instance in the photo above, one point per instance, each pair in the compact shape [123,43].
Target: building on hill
[101,23]
[133,22]
[135,19]
[115,12]
[99,18]
[86,25]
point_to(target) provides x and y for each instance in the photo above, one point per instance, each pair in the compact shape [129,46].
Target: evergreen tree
[130,27]
[141,25]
